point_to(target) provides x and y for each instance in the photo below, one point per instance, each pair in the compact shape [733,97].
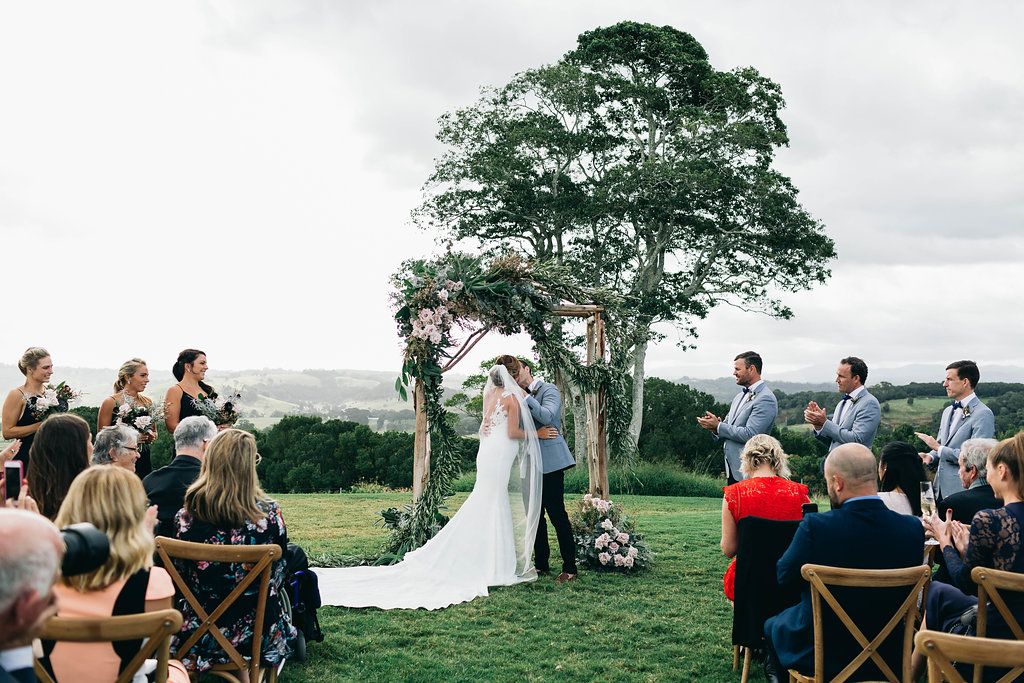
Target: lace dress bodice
[496,421]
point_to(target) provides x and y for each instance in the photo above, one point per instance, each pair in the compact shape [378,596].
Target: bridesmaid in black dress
[132,379]
[17,421]
[180,402]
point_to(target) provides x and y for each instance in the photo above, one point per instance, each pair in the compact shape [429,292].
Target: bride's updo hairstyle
[187,357]
[511,364]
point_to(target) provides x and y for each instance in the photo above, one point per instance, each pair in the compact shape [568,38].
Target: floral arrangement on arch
[54,399]
[606,539]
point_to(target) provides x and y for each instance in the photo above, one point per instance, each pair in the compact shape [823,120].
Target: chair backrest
[157,627]
[990,583]
[822,578]
[942,649]
[261,557]
[758,596]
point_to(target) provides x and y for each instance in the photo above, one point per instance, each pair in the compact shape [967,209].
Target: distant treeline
[311,453]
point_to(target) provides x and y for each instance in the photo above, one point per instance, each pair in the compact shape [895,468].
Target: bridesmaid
[189,370]
[132,379]
[17,420]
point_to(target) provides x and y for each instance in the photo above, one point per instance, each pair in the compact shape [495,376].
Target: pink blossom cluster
[601,505]
[429,323]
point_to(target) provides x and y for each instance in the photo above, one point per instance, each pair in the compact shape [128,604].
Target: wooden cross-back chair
[990,583]
[915,579]
[261,557]
[942,649]
[157,627]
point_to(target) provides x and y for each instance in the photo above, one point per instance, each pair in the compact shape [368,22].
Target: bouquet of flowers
[223,410]
[141,418]
[54,399]
[606,539]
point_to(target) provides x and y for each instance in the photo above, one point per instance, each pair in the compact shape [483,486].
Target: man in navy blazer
[30,552]
[965,418]
[857,415]
[753,411]
[545,404]
[860,533]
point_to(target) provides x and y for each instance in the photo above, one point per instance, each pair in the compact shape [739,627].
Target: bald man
[30,552]
[860,533]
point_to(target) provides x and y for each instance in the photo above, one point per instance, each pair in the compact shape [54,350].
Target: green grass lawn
[669,623]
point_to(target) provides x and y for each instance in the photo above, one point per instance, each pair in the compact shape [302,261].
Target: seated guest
[60,450]
[166,487]
[226,506]
[30,553]
[112,499]
[859,533]
[978,494]
[765,492]
[900,473]
[116,445]
[993,540]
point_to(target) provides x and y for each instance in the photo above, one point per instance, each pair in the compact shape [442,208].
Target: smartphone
[13,478]
[808,508]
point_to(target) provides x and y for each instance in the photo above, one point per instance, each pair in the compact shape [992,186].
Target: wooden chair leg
[735,657]
[746,665]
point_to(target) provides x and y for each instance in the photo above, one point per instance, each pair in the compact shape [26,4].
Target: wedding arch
[507,295]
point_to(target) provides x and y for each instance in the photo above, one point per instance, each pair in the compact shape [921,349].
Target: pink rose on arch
[426,315]
[619,560]
[622,537]
[435,337]
[442,294]
[613,546]
[604,558]
[458,287]
[627,561]
[607,525]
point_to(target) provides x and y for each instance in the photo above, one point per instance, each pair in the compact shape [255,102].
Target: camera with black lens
[86,548]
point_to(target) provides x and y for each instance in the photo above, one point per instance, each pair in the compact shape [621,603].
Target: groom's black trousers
[553,503]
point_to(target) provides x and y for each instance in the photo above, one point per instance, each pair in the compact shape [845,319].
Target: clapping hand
[941,529]
[929,441]
[151,518]
[815,415]
[961,536]
[710,422]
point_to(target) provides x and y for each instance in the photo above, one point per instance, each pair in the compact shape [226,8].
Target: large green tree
[646,170]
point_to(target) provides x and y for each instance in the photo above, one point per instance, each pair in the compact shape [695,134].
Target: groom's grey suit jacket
[857,424]
[978,424]
[545,406]
[748,415]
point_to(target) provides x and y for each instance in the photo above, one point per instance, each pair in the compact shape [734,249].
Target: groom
[545,404]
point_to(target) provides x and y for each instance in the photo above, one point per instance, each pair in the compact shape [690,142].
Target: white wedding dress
[488,542]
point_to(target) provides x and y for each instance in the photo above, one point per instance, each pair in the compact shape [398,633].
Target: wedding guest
[226,506]
[993,540]
[977,494]
[132,378]
[62,448]
[166,487]
[900,474]
[181,400]
[116,445]
[113,500]
[765,491]
[17,420]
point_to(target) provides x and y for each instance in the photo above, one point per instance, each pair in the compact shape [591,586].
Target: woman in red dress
[766,492]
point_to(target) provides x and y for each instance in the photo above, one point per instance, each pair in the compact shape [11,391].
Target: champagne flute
[928,505]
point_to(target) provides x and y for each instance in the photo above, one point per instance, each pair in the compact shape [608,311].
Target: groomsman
[753,412]
[857,415]
[966,418]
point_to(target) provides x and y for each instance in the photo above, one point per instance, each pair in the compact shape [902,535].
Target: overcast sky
[237,176]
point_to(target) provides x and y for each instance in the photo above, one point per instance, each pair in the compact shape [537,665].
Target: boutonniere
[967,413]
[752,395]
[854,399]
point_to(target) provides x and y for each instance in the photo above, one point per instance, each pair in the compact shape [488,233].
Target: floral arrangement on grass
[223,410]
[54,399]
[606,539]
[141,418]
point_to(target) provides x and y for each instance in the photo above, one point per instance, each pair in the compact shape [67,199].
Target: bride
[488,542]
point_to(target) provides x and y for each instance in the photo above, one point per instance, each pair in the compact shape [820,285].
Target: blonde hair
[30,359]
[1010,452]
[761,449]
[127,369]
[113,499]
[226,492]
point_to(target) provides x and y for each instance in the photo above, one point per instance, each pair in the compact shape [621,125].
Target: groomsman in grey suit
[752,412]
[966,418]
[857,415]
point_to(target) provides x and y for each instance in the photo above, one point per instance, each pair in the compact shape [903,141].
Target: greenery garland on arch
[509,294]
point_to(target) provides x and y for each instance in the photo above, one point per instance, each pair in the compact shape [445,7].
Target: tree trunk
[421,443]
[574,398]
[637,420]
